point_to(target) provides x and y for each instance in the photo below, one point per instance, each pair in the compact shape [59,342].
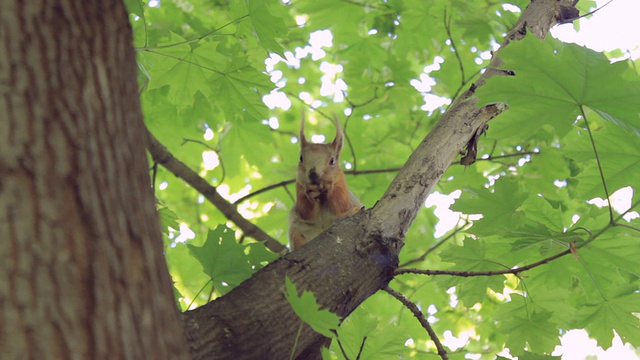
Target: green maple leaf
[535,332]
[342,17]
[498,206]
[305,306]
[168,219]
[619,158]
[538,209]
[187,274]
[614,313]
[239,90]
[258,255]
[380,341]
[223,259]
[472,256]
[365,53]
[553,81]
[613,256]
[178,67]
[267,28]
[540,238]
[134,7]
[533,356]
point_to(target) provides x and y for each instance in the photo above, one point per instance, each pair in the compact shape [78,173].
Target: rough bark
[356,257]
[81,269]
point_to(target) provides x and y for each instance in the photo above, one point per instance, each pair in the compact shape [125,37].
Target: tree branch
[420,316]
[163,157]
[355,257]
[372,171]
[482,273]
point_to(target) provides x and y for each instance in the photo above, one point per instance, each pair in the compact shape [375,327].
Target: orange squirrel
[322,196]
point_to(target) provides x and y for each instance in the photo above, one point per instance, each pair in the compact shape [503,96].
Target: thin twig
[447,27]
[196,39]
[348,138]
[154,174]
[371,171]
[163,157]
[482,273]
[264,189]
[222,168]
[421,318]
[589,13]
[437,245]
[185,61]
[633,206]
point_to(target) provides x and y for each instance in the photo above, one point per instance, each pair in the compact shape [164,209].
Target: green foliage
[571,134]
[225,261]
[321,320]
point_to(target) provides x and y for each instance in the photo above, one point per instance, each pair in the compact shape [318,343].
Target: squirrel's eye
[301,159]
[332,161]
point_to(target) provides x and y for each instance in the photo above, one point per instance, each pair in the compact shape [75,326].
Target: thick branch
[353,259]
[163,157]
[397,209]
[340,276]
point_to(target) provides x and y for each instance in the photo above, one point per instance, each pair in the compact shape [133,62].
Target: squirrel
[322,196]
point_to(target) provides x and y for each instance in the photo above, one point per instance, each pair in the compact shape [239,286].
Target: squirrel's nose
[313,177]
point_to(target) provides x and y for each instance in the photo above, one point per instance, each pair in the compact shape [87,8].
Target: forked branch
[163,157]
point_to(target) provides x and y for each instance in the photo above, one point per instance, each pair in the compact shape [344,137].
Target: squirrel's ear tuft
[339,140]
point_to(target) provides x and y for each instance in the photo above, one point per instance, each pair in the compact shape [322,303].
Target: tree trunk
[81,269]
[82,274]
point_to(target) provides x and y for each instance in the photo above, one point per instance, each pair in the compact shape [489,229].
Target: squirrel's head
[319,166]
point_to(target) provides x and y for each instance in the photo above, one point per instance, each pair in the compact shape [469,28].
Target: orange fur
[305,207]
[297,239]
[338,199]
[322,195]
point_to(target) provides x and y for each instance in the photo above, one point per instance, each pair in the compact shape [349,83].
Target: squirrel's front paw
[314,194]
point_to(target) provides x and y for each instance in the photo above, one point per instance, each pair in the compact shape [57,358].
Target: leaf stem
[185,61]
[295,343]
[195,39]
[421,318]
[595,152]
[199,291]
[162,156]
[222,168]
